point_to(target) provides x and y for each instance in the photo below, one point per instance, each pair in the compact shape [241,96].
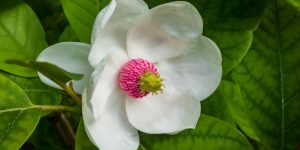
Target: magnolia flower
[148,70]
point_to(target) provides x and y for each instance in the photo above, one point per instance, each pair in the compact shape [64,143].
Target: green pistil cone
[151,82]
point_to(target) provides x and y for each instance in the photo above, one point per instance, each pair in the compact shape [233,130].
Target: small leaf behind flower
[53,72]
[81,15]
[82,140]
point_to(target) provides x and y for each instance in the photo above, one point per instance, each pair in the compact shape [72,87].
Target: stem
[72,94]
[63,129]
[58,108]
[142,146]
[68,130]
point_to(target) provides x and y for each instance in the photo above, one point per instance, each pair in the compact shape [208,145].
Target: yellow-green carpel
[151,82]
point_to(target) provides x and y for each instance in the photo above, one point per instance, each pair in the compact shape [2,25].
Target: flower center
[139,77]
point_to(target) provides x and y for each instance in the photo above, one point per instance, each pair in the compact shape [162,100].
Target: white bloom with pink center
[145,70]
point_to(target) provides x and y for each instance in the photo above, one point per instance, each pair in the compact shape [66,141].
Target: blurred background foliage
[52,17]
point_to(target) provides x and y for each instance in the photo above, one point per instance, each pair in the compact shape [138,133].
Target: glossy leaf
[38,92]
[210,133]
[295,2]
[227,104]
[269,77]
[82,140]
[18,117]
[53,72]
[81,15]
[229,23]
[21,37]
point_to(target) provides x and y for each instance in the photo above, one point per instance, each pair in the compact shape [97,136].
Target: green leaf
[81,16]
[227,104]
[82,140]
[295,2]
[210,133]
[269,77]
[68,35]
[53,72]
[21,37]
[217,104]
[38,92]
[229,23]
[18,117]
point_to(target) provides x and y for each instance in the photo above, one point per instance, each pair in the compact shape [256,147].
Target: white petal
[163,113]
[112,131]
[102,19]
[199,71]
[164,32]
[104,80]
[70,56]
[112,36]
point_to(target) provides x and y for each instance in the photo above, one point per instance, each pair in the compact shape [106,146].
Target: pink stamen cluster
[130,74]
